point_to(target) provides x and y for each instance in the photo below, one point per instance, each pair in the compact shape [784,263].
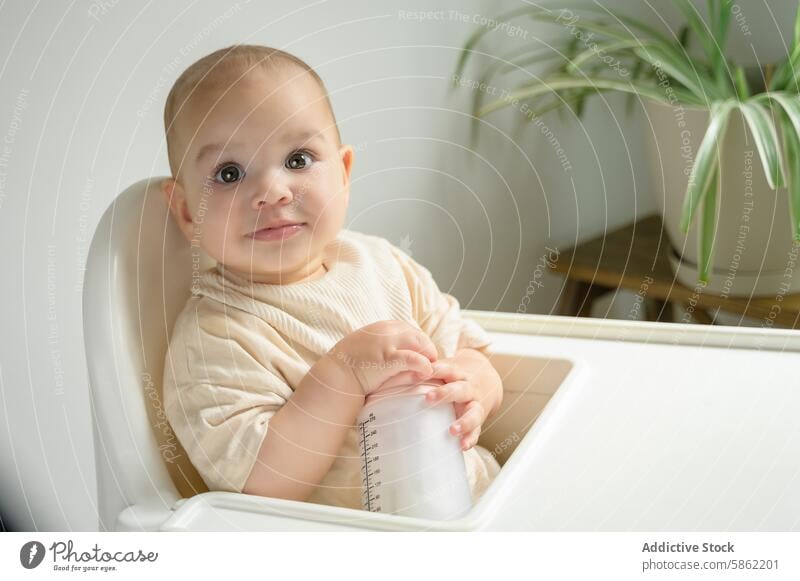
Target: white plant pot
[753,253]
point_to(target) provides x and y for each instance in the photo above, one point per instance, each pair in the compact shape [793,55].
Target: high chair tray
[606,425]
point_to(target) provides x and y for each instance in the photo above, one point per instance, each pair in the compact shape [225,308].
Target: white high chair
[138,277]
[586,441]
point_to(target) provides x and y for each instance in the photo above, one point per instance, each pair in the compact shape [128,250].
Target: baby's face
[264,183]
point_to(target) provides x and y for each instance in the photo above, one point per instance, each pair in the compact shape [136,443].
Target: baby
[271,359]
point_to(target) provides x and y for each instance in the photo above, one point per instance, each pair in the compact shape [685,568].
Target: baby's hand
[384,350]
[475,388]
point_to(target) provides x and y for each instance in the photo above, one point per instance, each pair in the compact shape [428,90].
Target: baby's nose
[272,194]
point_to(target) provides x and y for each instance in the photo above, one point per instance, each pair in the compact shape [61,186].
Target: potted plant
[711,120]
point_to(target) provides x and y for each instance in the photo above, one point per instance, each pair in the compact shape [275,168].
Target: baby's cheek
[212,237]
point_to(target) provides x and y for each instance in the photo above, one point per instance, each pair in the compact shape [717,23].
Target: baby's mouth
[278,232]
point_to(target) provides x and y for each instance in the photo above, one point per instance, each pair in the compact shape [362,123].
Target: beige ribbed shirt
[239,349]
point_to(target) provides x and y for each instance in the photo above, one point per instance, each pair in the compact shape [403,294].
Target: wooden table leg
[657,310]
[569,302]
[578,298]
[592,294]
[700,315]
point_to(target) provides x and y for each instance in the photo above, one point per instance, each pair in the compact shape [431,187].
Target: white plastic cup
[411,464]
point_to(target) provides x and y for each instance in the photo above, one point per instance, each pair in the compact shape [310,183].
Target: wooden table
[635,258]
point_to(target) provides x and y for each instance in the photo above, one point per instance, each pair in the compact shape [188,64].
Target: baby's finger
[455,391]
[471,418]
[470,439]
[402,378]
[446,372]
[413,361]
[420,342]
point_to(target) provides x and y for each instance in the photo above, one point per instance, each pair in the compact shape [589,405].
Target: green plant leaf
[762,128]
[572,50]
[790,131]
[791,139]
[690,74]
[797,26]
[720,29]
[630,98]
[713,38]
[720,18]
[788,102]
[791,146]
[713,12]
[785,77]
[522,59]
[740,82]
[559,102]
[607,48]
[683,36]
[558,83]
[623,19]
[723,25]
[554,13]
[708,225]
[580,104]
[585,24]
[705,163]
[697,25]
[547,14]
[491,71]
[476,36]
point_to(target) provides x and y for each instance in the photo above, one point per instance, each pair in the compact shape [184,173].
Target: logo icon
[31,554]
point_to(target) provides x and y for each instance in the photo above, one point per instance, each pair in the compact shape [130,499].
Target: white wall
[82,87]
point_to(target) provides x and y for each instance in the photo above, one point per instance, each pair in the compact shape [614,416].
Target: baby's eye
[229,173]
[299,160]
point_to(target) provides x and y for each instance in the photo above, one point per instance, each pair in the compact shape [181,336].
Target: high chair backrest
[138,276]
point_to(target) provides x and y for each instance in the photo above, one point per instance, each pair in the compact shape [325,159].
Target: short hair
[211,70]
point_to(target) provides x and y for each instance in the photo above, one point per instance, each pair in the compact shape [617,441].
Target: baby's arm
[305,435]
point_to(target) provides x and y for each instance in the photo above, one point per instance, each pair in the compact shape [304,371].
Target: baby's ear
[167,185]
[346,153]
[175,198]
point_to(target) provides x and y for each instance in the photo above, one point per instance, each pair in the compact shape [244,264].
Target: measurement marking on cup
[369,463]
[364,441]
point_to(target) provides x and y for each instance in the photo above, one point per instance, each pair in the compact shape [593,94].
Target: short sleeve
[438,313]
[220,392]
